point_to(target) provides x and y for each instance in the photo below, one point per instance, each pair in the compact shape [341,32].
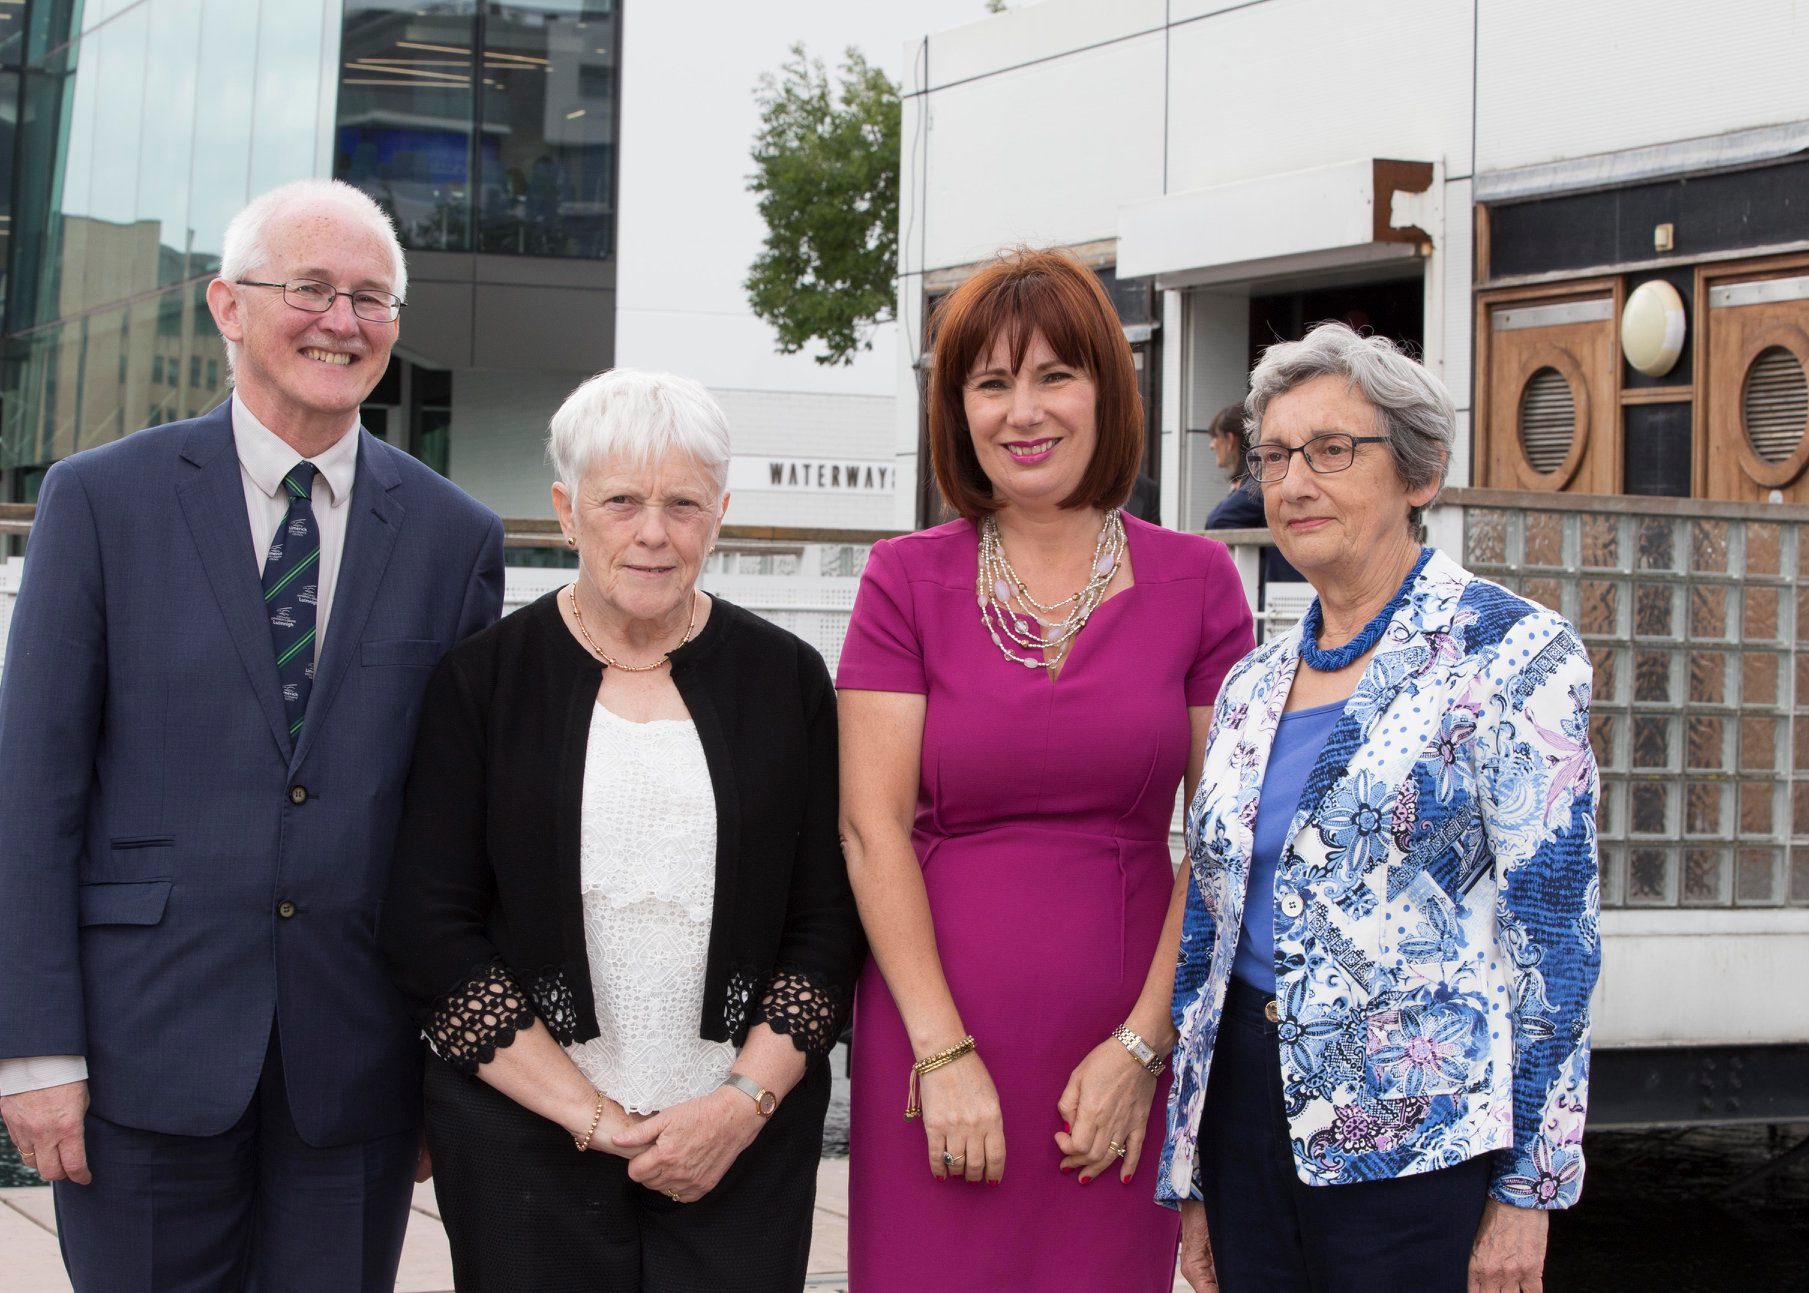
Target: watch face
[767,1103]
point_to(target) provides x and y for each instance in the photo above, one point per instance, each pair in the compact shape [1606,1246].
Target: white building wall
[1558,80]
[498,437]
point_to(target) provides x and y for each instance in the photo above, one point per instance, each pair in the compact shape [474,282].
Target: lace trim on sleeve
[468,1026]
[805,1009]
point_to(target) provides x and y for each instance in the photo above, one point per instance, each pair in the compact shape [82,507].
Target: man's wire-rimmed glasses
[1333,451]
[316,297]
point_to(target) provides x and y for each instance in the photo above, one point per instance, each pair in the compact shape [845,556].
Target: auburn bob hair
[1020,294]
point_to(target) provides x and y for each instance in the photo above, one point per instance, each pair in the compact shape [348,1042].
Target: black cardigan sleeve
[442,886]
[821,947]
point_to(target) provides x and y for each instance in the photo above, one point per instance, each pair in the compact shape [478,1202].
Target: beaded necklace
[610,660]
[1370,634]
[1007,607]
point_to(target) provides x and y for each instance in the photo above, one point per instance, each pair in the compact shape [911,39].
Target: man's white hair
[246,250]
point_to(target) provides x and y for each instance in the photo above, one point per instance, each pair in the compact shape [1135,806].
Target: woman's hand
[1196,1249]
[683,1151]
[1105,1108]
[1509,1253]
[962,1118]
[612,1122]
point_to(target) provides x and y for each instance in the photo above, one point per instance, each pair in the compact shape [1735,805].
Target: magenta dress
[1042,826]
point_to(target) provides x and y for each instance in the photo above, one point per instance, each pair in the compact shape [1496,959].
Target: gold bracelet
[930,1064]
[595,1118]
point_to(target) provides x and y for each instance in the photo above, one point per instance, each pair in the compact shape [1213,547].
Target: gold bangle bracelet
[929,1064]
[595,1118]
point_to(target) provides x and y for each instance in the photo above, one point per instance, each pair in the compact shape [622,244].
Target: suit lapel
[371,530]
[212,498]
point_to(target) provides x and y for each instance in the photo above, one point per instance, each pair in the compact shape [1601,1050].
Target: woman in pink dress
[1021,692]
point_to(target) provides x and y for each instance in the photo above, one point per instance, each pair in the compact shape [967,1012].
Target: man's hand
[46,1126]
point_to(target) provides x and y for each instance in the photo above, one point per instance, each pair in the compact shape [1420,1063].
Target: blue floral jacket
[1435,902]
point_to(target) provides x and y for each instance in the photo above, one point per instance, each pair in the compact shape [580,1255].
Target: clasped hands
[681,1152]
[1104,1111]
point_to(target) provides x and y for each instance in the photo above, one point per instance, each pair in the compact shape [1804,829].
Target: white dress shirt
[264,459]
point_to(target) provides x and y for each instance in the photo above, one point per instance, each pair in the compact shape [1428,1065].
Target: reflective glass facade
[484,127]
[131,131]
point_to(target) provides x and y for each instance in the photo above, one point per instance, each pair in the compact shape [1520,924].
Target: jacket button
[285,909]
[1291,905]
[1271,1011]
[298,794]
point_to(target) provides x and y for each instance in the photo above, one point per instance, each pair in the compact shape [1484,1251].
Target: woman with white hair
[1389,941]
[618,905]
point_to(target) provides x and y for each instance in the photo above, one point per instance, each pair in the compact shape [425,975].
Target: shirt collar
[265,457]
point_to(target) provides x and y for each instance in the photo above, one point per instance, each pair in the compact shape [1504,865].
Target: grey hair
[638,417]
[1413,406]
[245,250]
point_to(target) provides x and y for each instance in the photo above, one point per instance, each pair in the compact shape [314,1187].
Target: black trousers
[526,1212]
[254,1208]
[1272,1233]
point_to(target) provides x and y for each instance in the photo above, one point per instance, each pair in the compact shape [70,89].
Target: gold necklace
[1007,607]
[606,658]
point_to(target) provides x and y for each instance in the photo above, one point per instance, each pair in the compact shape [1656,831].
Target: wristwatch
[765,1101]
[1140,1050]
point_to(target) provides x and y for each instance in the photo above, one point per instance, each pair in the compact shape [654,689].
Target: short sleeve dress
[1042,821]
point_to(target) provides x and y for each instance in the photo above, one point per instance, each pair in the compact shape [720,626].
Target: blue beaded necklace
[1343,657]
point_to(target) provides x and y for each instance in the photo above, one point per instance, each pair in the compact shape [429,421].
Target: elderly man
[211,688]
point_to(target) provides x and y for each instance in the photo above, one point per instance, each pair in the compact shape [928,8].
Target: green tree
[826,170]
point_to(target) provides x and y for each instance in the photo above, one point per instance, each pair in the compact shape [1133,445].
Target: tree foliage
[826,171]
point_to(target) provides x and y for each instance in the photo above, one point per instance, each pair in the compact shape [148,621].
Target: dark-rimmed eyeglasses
[316,297]
[1333,451]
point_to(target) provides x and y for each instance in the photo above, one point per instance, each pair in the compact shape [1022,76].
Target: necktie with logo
[291,593]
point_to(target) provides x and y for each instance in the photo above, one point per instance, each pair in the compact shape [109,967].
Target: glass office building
[131,131]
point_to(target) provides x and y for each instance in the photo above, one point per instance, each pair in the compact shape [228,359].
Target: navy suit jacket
[173,874]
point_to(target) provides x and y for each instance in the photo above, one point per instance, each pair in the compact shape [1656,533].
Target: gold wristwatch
[765,1101]
[1140,1050]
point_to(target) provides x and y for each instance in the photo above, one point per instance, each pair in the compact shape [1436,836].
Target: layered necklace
[611,661]
[1008,609]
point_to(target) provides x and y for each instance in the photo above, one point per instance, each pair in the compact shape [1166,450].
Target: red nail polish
[1086,1180]
[993,1184]
[1066,1170]
[1067,1127]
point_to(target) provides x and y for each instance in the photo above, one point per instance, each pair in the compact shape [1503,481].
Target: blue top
[1298,741]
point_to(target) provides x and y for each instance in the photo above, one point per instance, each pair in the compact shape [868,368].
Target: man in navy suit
[212,681]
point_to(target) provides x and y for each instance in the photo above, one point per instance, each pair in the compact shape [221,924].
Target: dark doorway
[1395,310]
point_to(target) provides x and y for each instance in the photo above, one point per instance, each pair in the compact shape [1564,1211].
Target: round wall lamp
[1652,325]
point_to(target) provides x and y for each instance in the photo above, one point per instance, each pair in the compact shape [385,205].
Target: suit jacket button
[285,908]
[1291,904]
[298,794]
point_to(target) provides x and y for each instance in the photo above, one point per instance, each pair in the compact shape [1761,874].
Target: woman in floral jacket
[1390,939]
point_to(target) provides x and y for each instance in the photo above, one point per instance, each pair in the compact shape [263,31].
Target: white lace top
[647,867]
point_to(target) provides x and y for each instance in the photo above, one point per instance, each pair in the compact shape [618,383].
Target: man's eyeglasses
[317,297]
[1334,451]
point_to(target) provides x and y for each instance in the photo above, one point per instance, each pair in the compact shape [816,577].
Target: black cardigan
[483,925]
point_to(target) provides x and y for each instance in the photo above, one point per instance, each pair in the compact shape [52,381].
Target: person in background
[212,678]
[1009,771]
[619,908]
[1390,938]
[1242,507]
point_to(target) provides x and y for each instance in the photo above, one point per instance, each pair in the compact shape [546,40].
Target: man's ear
[223,304]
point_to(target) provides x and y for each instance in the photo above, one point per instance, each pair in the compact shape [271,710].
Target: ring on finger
[949,1160]
[1117,1149]
[28,1154]
[673,1195]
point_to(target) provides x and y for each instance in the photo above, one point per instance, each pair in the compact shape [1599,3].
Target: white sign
[812,475]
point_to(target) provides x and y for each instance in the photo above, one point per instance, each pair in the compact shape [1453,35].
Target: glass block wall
[1694,625]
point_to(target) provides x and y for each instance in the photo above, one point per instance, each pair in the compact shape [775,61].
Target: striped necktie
[291,592]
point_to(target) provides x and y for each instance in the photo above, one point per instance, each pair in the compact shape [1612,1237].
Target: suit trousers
[1273,1233]
[526,1213]
[256,1208]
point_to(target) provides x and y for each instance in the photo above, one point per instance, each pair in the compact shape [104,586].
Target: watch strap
[764,1101]
[1140,1050]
